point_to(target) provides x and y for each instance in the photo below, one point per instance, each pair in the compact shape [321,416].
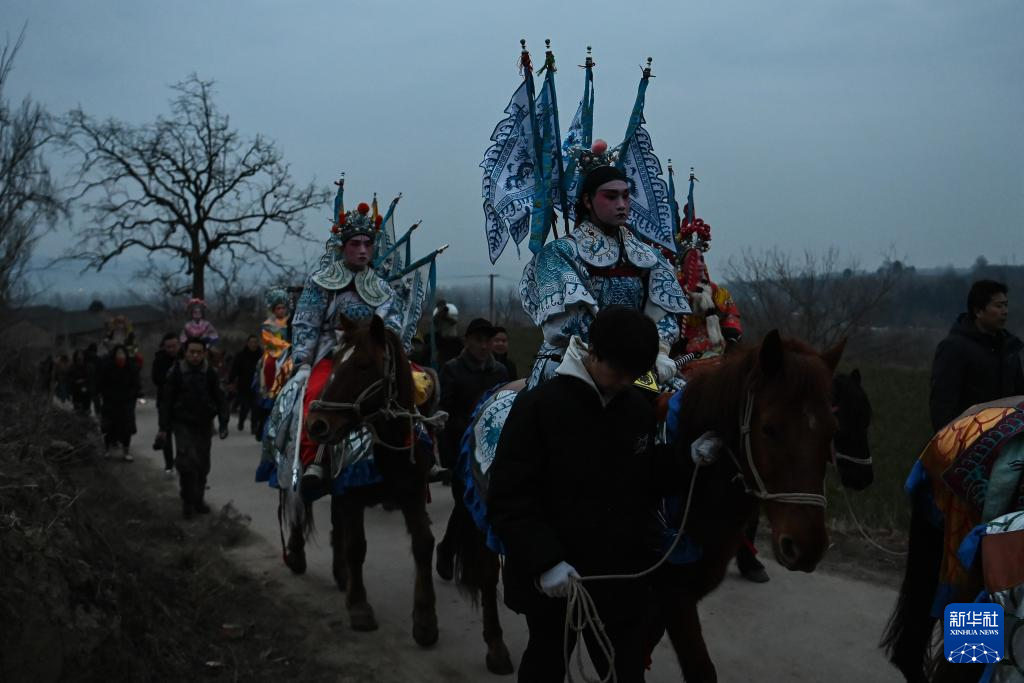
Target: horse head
[772,404]
[852,452]
[370,381]
[786,440]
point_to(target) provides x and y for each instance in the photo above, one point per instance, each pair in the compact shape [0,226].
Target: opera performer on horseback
[599,263]
[344,284]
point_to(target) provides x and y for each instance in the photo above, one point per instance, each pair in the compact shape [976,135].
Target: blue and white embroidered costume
[572,278]
[332,291]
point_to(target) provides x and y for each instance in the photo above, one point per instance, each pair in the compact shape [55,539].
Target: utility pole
[491,305]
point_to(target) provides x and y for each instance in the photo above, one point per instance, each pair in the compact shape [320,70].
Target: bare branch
[186,185]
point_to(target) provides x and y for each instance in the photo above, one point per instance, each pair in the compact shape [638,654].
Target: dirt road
[798,627]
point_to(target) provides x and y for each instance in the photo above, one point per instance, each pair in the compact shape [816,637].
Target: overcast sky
[811,123]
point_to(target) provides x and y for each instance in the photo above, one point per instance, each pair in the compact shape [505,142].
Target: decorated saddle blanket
[971,469]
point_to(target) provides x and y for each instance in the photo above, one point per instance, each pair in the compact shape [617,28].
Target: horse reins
[581,612]
[761,492]
[390,410]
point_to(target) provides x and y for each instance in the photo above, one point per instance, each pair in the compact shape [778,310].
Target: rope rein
[581,611]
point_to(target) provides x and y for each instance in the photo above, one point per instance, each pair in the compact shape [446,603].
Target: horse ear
[772,354]
[832,356]
[855,376]
[377,332]
[346,325]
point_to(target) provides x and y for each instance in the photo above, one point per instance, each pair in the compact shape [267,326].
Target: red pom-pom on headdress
[363,208]
[377,223]
[599,146]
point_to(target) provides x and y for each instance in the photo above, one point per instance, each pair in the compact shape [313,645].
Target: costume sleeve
[391,313]
[212,338]
[272,341]
[947,379]
[559,328]
[514,505]
[309,316]
[553,285]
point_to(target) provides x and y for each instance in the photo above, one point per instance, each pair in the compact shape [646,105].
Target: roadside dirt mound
[105,583]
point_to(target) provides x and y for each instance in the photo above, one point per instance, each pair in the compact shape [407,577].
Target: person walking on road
[191,400]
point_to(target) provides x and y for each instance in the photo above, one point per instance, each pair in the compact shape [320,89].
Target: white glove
[555,581]
[705,449]
[665,367]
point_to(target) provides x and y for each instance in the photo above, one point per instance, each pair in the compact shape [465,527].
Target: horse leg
[360,613]
[683,626]
[499,661]
[424,614]
[339,563]
[295,551]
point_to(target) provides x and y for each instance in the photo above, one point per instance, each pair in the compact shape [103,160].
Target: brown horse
[371,386]
[773,406]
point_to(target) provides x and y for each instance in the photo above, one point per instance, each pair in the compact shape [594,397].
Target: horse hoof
[424,631]
[500,662]
[361,618]
[296,561]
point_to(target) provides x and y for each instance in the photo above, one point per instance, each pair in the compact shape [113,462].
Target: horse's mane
[715,396]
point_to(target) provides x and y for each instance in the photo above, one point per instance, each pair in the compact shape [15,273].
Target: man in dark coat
[979,361]
[163,359]
[243,369]
[463,380]
[571,491]
[191,399]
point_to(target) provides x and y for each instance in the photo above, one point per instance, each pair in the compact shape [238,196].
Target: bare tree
[187,186]
[29,201]
[818,298]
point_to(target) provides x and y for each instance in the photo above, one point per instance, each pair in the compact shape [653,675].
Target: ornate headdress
[598,155]
[353,223]
[275,297]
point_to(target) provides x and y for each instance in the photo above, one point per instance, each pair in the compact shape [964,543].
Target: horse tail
[294,512]
[907,640]
[467,546]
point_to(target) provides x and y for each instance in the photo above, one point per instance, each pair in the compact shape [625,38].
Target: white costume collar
[601,251]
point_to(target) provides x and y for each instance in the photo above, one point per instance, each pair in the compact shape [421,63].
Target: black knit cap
[599,176]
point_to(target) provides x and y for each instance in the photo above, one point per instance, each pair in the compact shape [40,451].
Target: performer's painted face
[281,311]
[609,207]
[197,313]
[358,252]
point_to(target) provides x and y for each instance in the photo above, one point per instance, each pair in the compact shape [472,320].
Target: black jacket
[576,481]
[463,380]
[243,369]
[162,362]
[513,373]
[973,367]
[192,397]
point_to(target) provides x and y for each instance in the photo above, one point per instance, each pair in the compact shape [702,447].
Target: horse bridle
[761,492]
[391,409]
